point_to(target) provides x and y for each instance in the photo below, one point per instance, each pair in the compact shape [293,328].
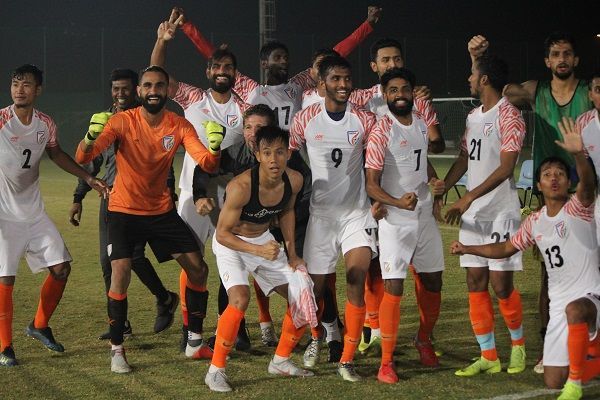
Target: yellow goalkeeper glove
[214,135]
[97,123]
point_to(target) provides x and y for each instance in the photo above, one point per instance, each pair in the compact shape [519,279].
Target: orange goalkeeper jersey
[143,158]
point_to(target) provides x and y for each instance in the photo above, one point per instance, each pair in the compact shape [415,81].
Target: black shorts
[165,233]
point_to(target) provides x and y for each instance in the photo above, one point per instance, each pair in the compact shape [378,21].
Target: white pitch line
[534,393]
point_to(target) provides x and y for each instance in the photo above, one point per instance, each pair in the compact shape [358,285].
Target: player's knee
[240,300]
[432,282]
[553,381]
[576,311]
[355,276]
[61,271]
[7,280]
[395,287]
[502,289]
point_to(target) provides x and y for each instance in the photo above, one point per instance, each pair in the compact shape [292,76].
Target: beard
[401,111]
[278,73]
[221,87]
[154,108]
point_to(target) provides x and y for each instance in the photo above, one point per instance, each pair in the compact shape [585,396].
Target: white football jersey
[335,150]
[200,106]
[589,123]
[400,151]
[567,241]
[310,97]
[21,149]
[487,134]
[285,99]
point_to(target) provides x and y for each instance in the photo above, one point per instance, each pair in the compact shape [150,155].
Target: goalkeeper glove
[97,123]
[214,135]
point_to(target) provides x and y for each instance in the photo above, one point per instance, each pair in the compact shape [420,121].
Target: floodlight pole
[266,25]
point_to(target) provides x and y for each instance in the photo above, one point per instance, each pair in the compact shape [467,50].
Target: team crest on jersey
[41,135]
[291,92]
[561,229]
[232,119]
[352,137]
[488,128]
[168,142]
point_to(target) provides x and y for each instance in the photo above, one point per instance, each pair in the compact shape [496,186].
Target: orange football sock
[6,315]
[373,296]
[263,304]
[389,313]
[481,314]
[227,329]
[182,286]
[577,343]
[511,309]
[354,319]
[290,335]
[429,310]
[50,295]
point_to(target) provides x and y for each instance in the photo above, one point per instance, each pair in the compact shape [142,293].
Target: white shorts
[418,241]
[326,237]
[202,226]
[483,232]
[38,240]
[556,350]
[235,266]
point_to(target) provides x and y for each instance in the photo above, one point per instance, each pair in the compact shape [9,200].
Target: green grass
[161,372]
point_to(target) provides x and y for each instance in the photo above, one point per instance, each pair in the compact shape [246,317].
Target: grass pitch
[160,372]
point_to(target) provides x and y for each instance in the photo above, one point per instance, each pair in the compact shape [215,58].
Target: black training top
[256,213]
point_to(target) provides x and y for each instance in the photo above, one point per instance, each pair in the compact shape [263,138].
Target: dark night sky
[77,43]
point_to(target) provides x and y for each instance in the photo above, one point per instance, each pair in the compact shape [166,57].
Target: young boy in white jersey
[334,133]
[565,232]
[490,211]
[397,176]
[243,245]
[25,229]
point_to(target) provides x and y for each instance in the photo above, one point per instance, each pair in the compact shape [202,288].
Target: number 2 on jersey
[27,154]
[336,157]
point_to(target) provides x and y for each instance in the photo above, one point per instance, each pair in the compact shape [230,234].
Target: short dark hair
[123,73]
[154,68]
[220,54]
[394,73]
[595,75]
[261,110]
[330,62]
[382,44]
[556,37]
[495,68]
[271,133]
[552,160]
[324,52]
[37,73]
[269,47]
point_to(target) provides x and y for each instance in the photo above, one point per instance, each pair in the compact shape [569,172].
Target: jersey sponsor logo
[352,137]
[168,142]
[403,143]
[291,92]
[488,128]
[319,137]
[41,135]
[264,93]
[561,229]
[232,119]
[205,111]
[14,139]
[591,148]
[538,238]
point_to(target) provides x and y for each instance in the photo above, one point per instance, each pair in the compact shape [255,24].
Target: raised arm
[346,46]
[492,250]
[573,143]
[165,33]
[521,95]
[64,161]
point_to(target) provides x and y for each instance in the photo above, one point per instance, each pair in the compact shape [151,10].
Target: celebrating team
[364,187]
